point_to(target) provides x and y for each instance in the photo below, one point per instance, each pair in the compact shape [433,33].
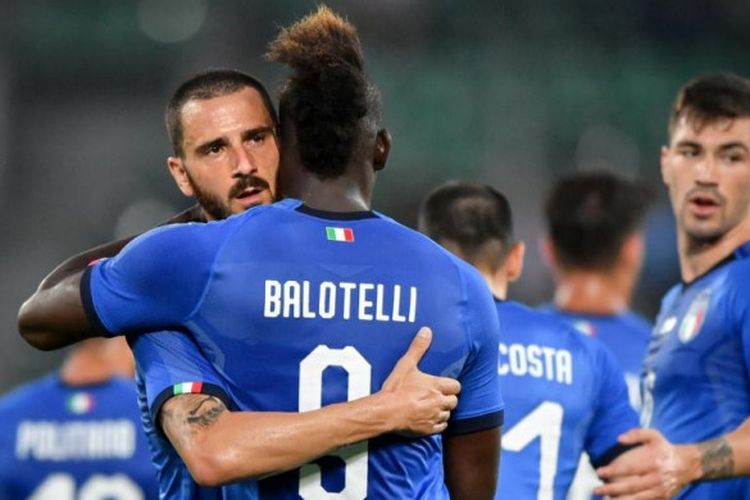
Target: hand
[421,403]
[192,214]
[656,469]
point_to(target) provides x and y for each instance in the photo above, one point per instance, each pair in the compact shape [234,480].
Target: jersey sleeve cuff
[87,300]
[188,388]
[476,424]
[612,453]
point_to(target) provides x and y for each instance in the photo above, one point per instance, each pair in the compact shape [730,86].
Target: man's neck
[85,365]
[344,194]
[696,258]
[593,292]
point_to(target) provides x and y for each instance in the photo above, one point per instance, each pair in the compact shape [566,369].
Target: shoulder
[30,393]
[637,323]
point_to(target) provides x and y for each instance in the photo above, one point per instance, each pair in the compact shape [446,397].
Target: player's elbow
[216,466]
[29,328]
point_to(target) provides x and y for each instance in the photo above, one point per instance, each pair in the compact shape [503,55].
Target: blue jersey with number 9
[295,309]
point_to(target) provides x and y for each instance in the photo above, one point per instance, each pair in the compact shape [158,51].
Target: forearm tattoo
[717,460]
[189,414]
[206,412]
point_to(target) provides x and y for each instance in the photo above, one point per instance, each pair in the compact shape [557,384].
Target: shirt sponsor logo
[693,320]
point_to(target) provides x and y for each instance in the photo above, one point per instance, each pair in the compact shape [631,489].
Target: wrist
[690,463]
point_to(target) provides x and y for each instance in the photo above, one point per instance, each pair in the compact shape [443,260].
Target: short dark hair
[468,215]
[328,98]
[709,98]
[590,215]
[207,85]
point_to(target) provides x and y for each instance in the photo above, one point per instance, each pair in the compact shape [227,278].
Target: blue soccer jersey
[625,334]
[565,394]
[296,308]
[66,442]
[695,380]
[169,364]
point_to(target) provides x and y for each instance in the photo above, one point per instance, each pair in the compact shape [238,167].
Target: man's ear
[664,162]
[177,169]
[514,261]
[382,149]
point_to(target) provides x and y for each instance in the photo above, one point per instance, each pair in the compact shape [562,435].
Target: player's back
[66,442]
[305,308]
[564,394]
[626,334]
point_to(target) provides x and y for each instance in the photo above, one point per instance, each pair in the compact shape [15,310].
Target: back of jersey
[306,308]
[564,394]
[65,443]
[626,335]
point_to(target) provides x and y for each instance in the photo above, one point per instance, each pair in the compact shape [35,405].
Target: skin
[596,291]
[231,155]
[229,142]
[707,172]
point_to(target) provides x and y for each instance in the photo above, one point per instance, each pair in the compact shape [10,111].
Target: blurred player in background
[252,318]
[564,392]
[76,434]
[594,247]
[696,384]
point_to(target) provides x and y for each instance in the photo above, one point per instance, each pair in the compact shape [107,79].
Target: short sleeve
[154,283]
[613,414]
[171,363]
[480,402]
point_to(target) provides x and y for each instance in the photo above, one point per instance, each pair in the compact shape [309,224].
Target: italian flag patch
[340,234]
[187,388]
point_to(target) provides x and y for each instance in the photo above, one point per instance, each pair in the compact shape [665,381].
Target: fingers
[448,385]
[647,486]
[419,345]
[635,436]
[449,403]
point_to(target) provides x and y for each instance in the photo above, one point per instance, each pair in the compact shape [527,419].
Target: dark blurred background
[512,93]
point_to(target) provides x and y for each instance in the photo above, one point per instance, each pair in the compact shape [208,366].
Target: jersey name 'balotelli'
[295,309]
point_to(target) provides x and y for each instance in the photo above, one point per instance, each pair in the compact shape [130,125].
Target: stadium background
[512,93]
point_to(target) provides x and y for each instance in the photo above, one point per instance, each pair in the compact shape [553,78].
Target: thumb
[636,436]
[418,346]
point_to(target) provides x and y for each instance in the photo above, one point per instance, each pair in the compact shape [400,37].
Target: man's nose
[245,162]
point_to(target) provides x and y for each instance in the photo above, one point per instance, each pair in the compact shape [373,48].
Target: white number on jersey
[545,422]
[310,398]
[62,486]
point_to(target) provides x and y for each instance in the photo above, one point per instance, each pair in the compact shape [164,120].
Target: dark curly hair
[328,98]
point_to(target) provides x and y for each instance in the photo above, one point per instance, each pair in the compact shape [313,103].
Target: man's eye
[258,138]
[214,149]
[688,153]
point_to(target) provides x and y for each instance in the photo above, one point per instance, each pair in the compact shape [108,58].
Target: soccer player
[594,246]
[300,304]
[696,387]
[564,391]
[77,433]
[221,124]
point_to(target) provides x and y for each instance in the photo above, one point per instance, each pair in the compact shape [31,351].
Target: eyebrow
[732,145]
[203,148]
[257,130]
